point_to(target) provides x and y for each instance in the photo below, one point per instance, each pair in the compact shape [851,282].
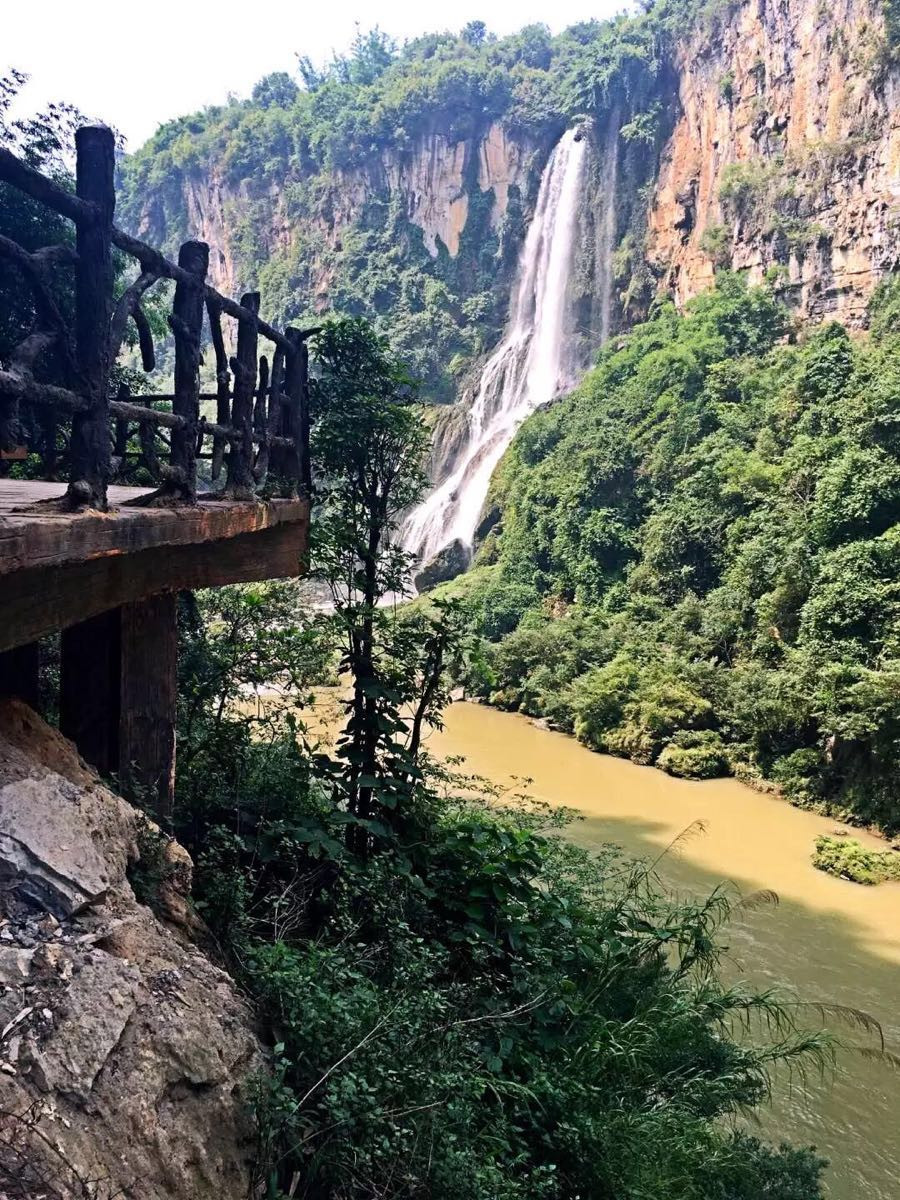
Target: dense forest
[693,559]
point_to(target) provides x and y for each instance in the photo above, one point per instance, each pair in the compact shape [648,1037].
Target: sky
[135,66]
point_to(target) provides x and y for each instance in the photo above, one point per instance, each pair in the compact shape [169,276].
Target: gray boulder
[125,1054]
[446,565]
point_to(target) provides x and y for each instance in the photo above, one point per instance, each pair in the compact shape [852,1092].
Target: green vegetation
[762,194]
[697,555]
[716,242]
[463,1005]
[846,858]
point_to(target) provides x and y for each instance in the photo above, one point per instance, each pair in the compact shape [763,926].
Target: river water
[828,940]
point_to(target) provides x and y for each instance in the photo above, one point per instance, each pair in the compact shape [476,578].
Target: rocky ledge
[125,1053]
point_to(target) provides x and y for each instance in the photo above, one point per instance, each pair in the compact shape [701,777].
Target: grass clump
[847,859]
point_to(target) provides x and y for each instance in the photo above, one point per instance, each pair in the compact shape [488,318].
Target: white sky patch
[136,67]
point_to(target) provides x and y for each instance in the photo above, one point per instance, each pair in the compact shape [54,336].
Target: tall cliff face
[433,184]
[785,156]
[421,236]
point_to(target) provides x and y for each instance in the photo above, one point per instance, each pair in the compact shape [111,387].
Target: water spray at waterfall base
[529,367]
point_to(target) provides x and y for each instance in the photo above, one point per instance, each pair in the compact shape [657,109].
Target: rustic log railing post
[187,326]
[90,446]
[296,386]
[240,455]
[223,385]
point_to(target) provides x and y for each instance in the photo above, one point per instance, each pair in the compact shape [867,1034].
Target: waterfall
[529,367]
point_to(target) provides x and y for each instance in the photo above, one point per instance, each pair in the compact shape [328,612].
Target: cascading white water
[528,368]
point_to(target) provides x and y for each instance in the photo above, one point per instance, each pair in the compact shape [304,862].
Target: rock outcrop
[125,1054]
[446,565]
[432,182]
[785,156]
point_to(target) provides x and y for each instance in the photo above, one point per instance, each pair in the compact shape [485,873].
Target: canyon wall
[431,184]
[785,156]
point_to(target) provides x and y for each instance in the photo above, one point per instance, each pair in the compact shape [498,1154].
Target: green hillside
[696,555]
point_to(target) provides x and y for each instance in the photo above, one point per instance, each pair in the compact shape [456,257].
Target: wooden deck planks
[31,539]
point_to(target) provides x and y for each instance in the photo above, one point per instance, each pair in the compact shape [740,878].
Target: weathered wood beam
[129,411]
[17,383]
[89,449]
[33,268]
[39,601]
[151,260]
[126,410]
[35,538]
[129,306]
[147,700]
[36,185]
[145,338]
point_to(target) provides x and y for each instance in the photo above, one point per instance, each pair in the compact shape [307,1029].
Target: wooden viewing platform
[94,557]
[57,568]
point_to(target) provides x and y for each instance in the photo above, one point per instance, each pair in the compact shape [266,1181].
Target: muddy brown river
[828,940]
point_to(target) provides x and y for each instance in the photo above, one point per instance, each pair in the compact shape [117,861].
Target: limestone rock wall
[125,1054]
[431,181]
[801,95]
[783,158]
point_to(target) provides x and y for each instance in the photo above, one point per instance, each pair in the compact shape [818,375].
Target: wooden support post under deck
[19,674]
[118,695]
[90,654]
[148,697]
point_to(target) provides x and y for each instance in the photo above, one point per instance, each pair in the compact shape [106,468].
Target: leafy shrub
[847,859]
[716,242]
[439,1022]
[695,754]
[743,184]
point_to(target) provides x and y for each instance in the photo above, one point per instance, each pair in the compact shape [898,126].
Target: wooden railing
[261,432]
